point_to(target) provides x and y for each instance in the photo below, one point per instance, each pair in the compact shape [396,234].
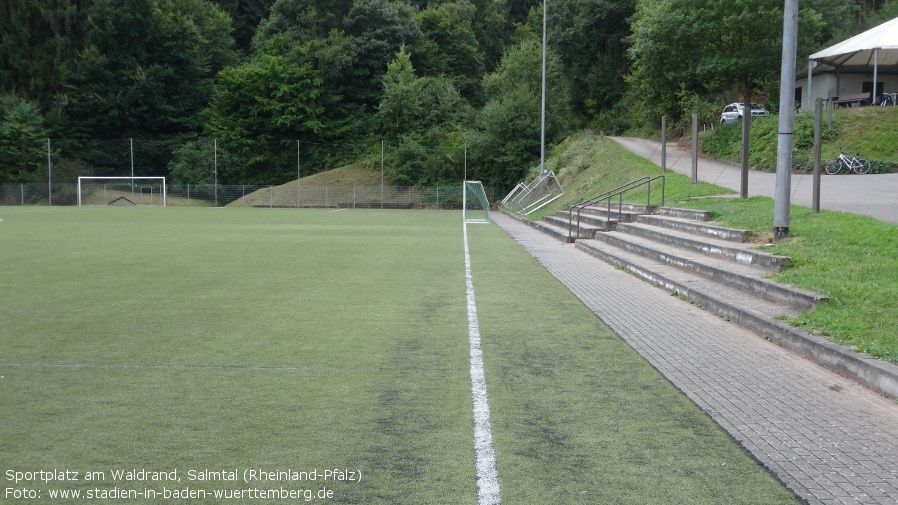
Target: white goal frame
[132,180]
[481,215]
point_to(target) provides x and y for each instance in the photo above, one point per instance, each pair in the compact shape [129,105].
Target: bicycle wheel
[862,166]
[833,167]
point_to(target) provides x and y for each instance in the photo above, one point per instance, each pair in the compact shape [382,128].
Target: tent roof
[858,50]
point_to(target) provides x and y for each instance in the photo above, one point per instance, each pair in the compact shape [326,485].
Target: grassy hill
[284,195]
[867,130]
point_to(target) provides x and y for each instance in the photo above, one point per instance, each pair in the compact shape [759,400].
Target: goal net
[121,191]
[475,206]
[528,198]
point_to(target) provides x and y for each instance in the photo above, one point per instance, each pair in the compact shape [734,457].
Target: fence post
[695,149]
[22,193]
[663,144]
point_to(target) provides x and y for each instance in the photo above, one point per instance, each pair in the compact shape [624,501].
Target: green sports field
[283,355]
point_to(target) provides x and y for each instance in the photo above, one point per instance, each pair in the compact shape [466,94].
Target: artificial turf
[313,340]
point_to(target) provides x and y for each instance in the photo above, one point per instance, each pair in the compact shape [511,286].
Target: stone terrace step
[623,215]
[696,268]
[695,227]
[720,297]
[558,226]
[697,215]
[705,245]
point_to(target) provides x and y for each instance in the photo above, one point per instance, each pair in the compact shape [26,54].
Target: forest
[437,86]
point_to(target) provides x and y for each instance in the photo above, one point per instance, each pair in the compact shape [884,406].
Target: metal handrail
[608,195]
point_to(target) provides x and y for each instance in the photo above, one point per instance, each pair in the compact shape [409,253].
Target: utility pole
[787,117]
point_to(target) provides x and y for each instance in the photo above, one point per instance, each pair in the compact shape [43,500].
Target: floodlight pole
[49,174]
[298,194]
[132,167]
[381,173]
[215,168]
[786,124]
[542,143]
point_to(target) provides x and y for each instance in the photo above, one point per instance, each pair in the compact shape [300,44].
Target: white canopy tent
[876,47]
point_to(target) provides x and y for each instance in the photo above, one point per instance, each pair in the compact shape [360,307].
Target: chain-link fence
[291,194]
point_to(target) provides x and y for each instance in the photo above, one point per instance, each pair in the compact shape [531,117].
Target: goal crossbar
[133,182]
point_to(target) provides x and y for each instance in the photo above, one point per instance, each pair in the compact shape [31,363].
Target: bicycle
[856,165]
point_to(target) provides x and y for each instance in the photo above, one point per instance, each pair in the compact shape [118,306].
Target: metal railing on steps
[608,195]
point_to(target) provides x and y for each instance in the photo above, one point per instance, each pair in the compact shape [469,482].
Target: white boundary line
[484,454]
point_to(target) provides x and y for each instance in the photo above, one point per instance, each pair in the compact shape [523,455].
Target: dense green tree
[591,38]
[379,28]
[269,99]
[23,137]
[450,48]
[422,117]
[507,142]
[148,70]
[687,48]
[302,21]
[246,16]
[39,37]
[400,103]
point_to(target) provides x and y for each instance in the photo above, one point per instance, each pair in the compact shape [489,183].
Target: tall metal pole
[746,125]
[215,168]
[132,168]
[787,117]
[298,199]
[542,143]
[381,173]
[49,174]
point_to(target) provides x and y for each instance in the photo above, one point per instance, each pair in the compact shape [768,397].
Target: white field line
[485,455]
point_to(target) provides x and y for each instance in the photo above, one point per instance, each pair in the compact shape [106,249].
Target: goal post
[475,205]
[128,191]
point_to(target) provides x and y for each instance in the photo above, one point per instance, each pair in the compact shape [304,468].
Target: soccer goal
[475,205]
[121,191]
[526,199]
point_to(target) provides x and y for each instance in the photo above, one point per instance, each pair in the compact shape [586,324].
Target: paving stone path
[826,437]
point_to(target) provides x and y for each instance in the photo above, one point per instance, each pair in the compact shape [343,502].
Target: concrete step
[626,213]
[697,215]
[547,227]
[588,225]
[694,269]
[718,293]
[705,245]
[558,226]
[695,227]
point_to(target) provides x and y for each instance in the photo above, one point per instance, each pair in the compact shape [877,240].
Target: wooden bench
[848,100]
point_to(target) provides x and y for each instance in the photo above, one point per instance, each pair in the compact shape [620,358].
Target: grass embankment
[849,258]
[312,189]
[869,131]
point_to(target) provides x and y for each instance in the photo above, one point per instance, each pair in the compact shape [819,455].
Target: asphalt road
[874,195]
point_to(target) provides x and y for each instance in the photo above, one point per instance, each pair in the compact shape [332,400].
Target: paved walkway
[827,438]
[874,195]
